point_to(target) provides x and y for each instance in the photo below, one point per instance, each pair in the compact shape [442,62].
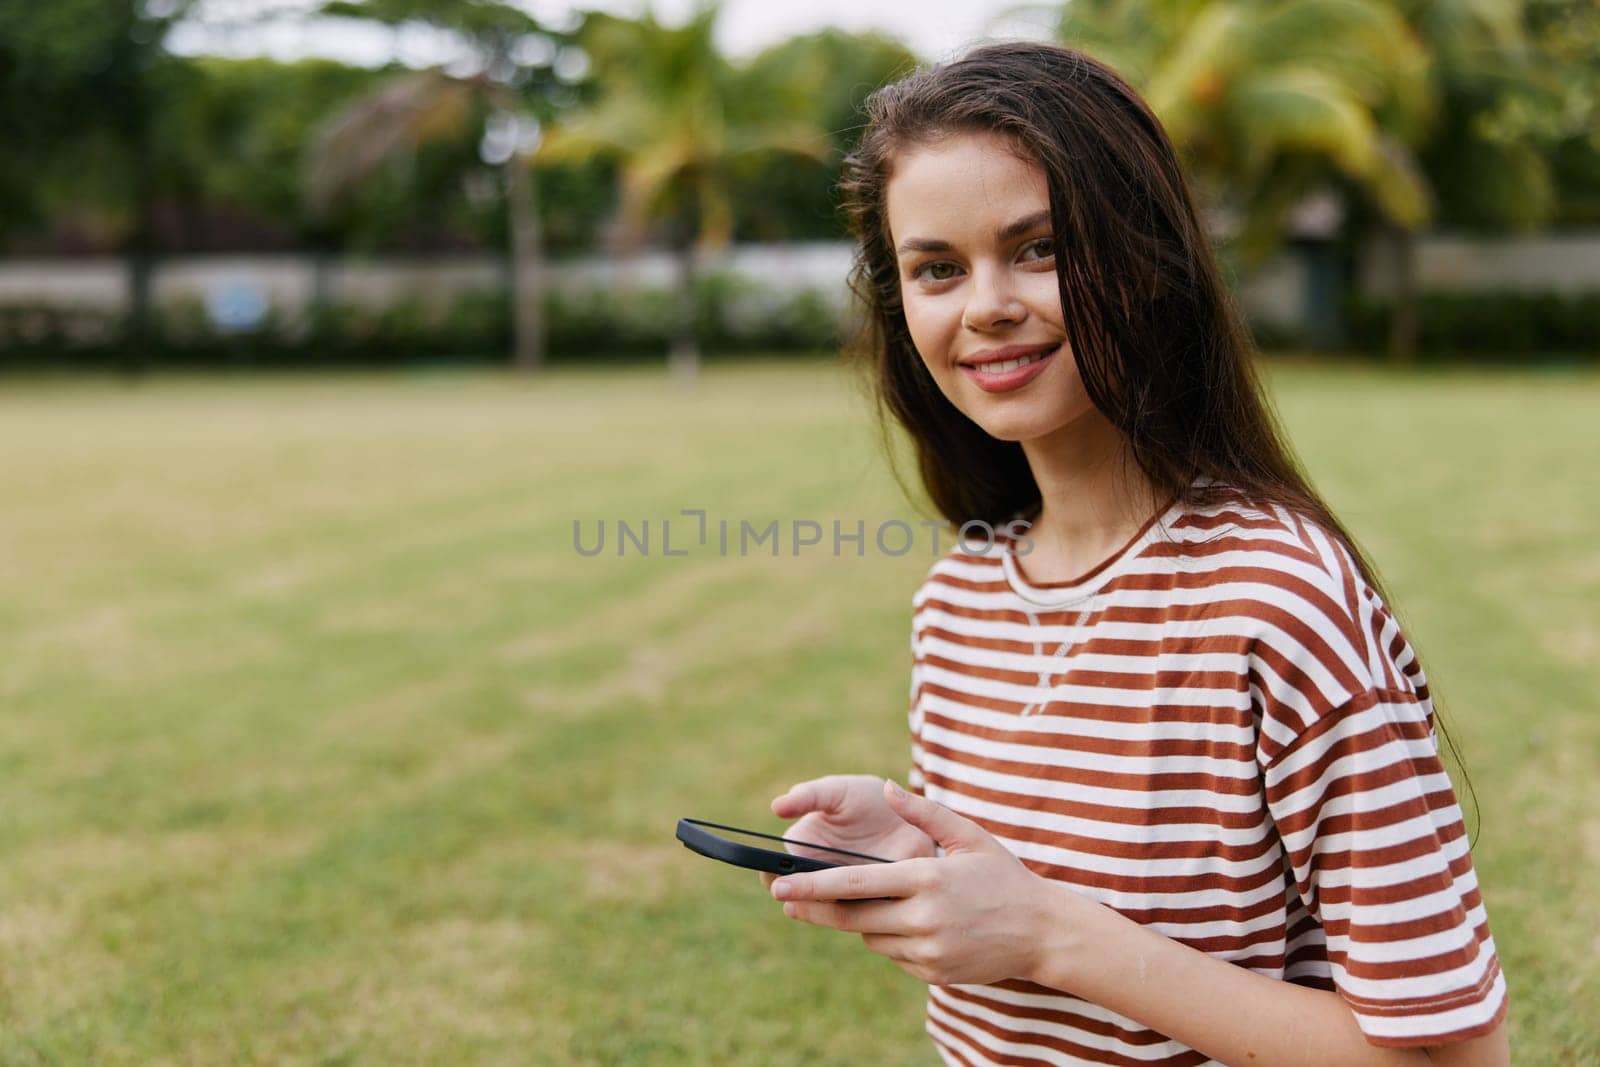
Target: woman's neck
[1094,498]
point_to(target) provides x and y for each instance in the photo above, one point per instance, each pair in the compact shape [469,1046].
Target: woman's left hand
[973,916]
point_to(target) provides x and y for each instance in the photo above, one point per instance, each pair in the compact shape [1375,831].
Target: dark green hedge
[1504,326]
[1496,325]
[473,328]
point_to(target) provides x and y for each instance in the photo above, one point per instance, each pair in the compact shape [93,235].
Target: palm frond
[679,119]
[394,120]
[795,138]
[1194,77]
[1301,109]
[1397,184]
[611,129]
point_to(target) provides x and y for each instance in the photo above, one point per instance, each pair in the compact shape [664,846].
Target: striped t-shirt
[1221,733]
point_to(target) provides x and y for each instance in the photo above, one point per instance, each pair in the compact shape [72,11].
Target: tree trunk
[321,280]
[319,316]
[527,266]
[141,266]
[683,361]
[1403,321]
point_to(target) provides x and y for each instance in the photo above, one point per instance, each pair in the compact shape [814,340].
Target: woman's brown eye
[939,271]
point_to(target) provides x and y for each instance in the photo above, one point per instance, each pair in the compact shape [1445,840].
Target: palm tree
[415,109]
[1267,100]
[679,121]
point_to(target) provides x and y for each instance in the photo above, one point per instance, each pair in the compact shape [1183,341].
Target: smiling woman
[1180,799]
[989,277]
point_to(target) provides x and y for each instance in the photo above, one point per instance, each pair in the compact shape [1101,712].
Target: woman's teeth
[1009,364]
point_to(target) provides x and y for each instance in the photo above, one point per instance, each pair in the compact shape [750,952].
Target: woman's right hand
[848,811]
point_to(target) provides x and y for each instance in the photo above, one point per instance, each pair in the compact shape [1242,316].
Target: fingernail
[781,889]
[789,910]
[895,786]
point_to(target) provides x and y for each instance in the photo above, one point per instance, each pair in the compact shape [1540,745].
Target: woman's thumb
[949,831]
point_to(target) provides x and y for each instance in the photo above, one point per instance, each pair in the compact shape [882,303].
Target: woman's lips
[1007,380]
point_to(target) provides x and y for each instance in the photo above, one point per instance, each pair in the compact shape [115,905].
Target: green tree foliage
[681,123]
[81,82]
[796,199]
[224,140]
[1471,113]
[1517,143]
[246,122]
[87,88]
[1566,35]
[252,121]
[1270,101]
[1487,166]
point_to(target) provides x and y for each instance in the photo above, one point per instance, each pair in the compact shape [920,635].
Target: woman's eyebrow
[1007,232]
[1024,224]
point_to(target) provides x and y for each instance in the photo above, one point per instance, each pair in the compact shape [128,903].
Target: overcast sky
[932,28]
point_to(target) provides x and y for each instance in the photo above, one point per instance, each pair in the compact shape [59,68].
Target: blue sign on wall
[236,306]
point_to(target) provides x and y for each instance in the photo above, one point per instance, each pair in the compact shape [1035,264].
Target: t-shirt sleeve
[1376,841]
[1368,818]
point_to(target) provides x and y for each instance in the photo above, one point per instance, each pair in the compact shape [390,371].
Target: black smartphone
[746,848]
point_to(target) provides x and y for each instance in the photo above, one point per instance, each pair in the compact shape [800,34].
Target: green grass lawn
[322,744]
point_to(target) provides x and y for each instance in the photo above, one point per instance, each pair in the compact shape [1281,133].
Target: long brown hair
[1160,345]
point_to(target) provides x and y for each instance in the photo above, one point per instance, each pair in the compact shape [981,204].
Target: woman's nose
[992,302]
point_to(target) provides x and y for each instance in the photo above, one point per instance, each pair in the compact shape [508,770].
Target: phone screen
[793,847]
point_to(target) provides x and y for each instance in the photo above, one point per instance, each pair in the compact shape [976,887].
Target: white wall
[1566,262]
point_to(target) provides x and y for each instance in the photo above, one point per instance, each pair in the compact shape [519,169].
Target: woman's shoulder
[1254,541]
[1319,633]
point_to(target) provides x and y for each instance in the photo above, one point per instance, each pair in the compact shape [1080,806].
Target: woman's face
[970,224]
